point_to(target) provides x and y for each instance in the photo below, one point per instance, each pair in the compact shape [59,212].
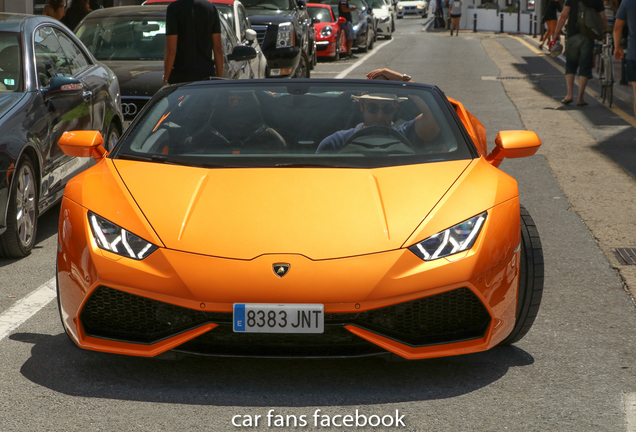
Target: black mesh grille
[114,314]
[442,318]
[447,317]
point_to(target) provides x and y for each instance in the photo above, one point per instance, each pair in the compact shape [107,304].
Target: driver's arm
[425,124]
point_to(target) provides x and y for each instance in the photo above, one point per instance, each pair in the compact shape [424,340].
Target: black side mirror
[61,85]
[302,4]
[242,53]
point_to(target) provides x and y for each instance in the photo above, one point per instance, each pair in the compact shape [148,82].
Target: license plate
[275,318]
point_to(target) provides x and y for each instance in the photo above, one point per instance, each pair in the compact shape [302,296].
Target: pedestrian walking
[447,19]
[578,48]
[194,49]
[344,10]
[75,13]
[455,15]
[550,19]
[626,14]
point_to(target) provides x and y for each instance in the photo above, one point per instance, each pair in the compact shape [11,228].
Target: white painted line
[26,307]
[629,402]
[346,72]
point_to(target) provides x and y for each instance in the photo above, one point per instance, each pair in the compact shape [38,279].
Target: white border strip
[26,307]
[346,72]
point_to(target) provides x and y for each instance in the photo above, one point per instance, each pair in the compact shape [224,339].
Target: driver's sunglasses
[387,109]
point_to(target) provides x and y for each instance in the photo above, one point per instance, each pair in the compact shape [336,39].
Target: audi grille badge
[280,269]
[129,109]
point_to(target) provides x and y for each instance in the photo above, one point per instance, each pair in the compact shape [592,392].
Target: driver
[379,109]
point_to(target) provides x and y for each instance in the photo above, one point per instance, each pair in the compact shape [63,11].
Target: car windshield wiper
[158,158]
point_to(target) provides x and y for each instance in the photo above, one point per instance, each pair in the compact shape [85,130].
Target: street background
[574,371]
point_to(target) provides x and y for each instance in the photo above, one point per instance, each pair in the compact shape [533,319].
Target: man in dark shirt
[194,50]
[344,10]
[578,49]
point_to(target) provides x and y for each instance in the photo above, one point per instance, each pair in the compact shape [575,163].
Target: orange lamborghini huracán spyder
[304,218]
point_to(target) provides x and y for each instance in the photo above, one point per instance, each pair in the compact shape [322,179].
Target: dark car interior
[261,123]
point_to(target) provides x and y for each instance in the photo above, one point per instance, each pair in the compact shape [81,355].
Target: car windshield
[377,4]
[226,10]
[124,38]
[321,123]
[357,3]
[10,63]
[320,13]
[268,4]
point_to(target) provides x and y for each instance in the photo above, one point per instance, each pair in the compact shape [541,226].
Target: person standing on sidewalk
[344,10]
[626,13]
[550,19]
[455,15]
[194,49]
[579,50]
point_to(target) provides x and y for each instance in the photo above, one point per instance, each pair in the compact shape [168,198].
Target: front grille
[452,316]
[130,106]
[260,30]
[113,314]
[336,341]
[447,317]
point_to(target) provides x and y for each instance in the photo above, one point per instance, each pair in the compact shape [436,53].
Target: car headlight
[326,31]
[285,36]
[420,6]
[400,7]
[458,238]
[115,239]
[356,27]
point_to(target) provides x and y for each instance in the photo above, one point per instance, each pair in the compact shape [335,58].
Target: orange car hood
[321,213]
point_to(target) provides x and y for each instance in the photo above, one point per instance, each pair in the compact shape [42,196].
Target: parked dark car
[49,84]
[364,23]
[286,34]
[131,41]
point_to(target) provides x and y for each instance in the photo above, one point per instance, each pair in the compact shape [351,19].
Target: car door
[232,69]
[66,111]
[258,64]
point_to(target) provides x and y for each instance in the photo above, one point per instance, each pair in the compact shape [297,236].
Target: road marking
[619,112]
[345,72]
[26,307]
[629,402]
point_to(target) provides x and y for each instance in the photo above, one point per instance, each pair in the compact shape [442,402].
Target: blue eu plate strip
[239,317]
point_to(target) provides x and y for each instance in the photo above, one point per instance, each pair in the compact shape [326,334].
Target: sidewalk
[623,92]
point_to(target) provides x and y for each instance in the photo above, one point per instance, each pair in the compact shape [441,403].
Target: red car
[330,37]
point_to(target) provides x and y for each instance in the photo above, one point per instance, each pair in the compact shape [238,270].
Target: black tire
[389,36]
[610,84]
[112,136]
[22,212]
[366,44]
[530,279]
[302,71]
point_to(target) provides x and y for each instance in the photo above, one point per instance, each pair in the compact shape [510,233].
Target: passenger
[379,109]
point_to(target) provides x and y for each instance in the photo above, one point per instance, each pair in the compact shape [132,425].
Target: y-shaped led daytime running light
[115,239]
[458,238]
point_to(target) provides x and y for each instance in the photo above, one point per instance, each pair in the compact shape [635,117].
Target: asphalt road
[574,371]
